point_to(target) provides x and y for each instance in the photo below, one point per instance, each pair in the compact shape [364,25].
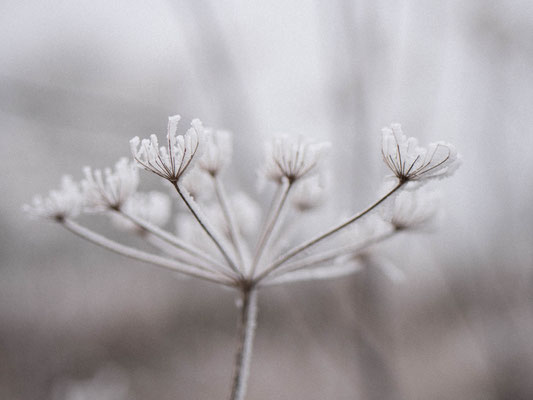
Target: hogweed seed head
[308,195]
[413,210]
[217,152]
[410,162]
[59,204]
[292,159]
[152,207]
[172,161]
[109,189]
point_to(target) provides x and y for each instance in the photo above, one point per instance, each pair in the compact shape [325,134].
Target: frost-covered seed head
[291,158]
[410,162]
[153,207]
[172,161]
[308,195]
[217,152]
[413,210]
[109,189]
[59,204]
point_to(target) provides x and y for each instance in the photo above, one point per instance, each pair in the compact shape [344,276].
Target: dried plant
[217,246]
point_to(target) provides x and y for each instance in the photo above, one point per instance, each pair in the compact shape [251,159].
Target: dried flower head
[152,207]
[109,189]
[291,158]
[410,162]
[217,152]
[172,161]
[309,194]
[59,204]
[413,210]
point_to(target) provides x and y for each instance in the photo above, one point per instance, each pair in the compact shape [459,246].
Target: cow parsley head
[292,158]
[413,210]
[109,189]
[152,207]
[172,161]
[217,152]
[59,204]
[410,162]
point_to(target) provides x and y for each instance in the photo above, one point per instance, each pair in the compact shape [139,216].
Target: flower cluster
[225,239]
[410,162]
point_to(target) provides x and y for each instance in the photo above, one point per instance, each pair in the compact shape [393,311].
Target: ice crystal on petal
[59,204]
[410,162]
[107,189]
[292,158]
[153,207]
[413,210]
[172,161]
[217,152]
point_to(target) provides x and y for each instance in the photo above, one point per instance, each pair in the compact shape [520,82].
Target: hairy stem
[304,246]
[270,225]
[193,208]
[131,252]
[247,324]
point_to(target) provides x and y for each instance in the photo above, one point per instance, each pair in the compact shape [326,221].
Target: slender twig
[304,246]
[172,239]
[130,252]
[330,255]
[217,240]
[271,223]
[234,235]
[247,324]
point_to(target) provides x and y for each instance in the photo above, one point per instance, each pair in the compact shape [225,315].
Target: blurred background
[79,79]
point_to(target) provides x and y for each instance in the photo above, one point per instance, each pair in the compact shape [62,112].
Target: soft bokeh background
[79,79]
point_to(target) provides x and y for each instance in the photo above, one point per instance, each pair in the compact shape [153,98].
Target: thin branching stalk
[247,324]
[234,235]
[130,252]
[270,225]
[330,255]
[173,240]
[217,240]
[304,246]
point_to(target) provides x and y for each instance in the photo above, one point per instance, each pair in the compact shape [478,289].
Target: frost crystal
[110,189]
[172,161]
[217,152]
[152,207]
[59,204]
[409,162]
[291,158]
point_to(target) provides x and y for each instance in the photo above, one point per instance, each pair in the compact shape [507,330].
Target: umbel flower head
[152,207]
[110,189]
[291,158]
[413,210]
[172,161]
[217,152]
[59,204]
[410,162]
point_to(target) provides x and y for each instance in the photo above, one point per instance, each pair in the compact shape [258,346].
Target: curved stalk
[269,227]
[195,211]
[130,252]
[247,324]
[304,246]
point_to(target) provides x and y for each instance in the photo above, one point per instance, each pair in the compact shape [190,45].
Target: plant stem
[304,246]
[247,324]
[230,220]
[193,208]
[131,252]
[271,223]
[171,239]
